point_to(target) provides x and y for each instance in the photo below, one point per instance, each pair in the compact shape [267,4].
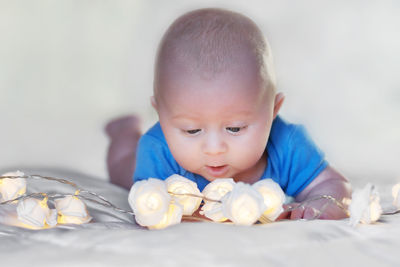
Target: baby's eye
[194,131]
[234,129]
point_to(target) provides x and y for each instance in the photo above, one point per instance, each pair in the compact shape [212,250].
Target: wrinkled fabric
[112,239]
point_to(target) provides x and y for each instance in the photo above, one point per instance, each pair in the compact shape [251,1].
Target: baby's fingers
[310,213]
[286,214]
[297,213]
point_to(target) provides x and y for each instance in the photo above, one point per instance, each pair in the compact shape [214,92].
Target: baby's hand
[292,211]
[319,209]
[330,183]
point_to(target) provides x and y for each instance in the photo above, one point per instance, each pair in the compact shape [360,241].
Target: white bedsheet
[113,239]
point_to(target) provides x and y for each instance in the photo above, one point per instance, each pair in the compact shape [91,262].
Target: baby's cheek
[248,152]
[186,154]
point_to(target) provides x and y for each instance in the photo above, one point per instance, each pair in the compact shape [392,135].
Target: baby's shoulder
[282,130]
[154,134]
[285,137]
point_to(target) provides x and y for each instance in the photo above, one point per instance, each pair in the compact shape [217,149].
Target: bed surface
[113,239]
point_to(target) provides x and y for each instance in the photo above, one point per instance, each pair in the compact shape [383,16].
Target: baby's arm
[328,182]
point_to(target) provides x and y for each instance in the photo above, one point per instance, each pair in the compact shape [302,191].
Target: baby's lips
[217,171]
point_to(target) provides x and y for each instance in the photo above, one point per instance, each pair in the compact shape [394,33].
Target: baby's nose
[214,144]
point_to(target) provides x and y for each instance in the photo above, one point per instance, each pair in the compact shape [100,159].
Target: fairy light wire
[79,192]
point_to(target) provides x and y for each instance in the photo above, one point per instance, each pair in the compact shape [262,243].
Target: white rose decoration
[71,209]
[216,190]
[11,188]
[181,185]
[149,200]
[173,216]
[33,212]
[273,196]
[364,206]
[51,219]
[396,195]
[243,205]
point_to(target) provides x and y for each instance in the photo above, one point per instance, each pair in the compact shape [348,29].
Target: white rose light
[364,206]
[11,188]
[216,190]
[149,200]
[181,185]
[396,195]
[173,216]
[243,205]
[72,210]
[273,196]
[51,219]
[33,212]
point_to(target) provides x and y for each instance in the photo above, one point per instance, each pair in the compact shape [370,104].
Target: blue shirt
[293,158]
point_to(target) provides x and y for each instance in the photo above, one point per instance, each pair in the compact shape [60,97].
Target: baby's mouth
[217,171]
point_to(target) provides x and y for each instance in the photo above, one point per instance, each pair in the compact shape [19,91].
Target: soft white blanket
[113,239]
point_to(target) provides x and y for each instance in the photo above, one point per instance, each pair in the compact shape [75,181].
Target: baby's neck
[255,173]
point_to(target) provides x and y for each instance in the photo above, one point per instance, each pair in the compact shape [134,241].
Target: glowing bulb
[273,196]
[245,210]
[153,202]
[171,217]
[365,206]
[33,212]
[244,205]
[180,185]
[11,188]
[375,212]
[149,201]
[72,210]
[216,190]
[396,195]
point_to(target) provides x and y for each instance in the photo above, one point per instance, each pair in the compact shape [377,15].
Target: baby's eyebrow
[184,116]
[237,116]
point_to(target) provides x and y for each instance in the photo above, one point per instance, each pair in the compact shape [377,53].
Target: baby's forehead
[224,98]
[236,85]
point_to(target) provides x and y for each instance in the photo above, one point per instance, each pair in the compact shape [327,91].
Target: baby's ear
[279,98]
[153,102]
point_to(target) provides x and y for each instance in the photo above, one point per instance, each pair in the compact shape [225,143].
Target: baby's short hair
[208,41]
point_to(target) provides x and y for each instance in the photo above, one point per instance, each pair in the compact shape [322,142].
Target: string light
[71,209]
[35,213]
[365,207]
[217,189]
[14,187]
[179,184]
[150,201]
[396,195]
[44,217]
[171,217]
[273,196]
[243,205]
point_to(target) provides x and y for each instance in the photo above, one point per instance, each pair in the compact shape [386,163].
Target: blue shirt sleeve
[304,161]
[153,159]
[294,160]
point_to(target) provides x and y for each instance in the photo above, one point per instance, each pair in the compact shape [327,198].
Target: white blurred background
[68,66]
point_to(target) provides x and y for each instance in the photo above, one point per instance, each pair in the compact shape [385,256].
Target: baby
[215,95]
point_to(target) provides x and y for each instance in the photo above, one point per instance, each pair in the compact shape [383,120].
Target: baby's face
[217,127]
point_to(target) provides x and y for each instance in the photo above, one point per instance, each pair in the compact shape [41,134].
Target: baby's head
[214,91]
